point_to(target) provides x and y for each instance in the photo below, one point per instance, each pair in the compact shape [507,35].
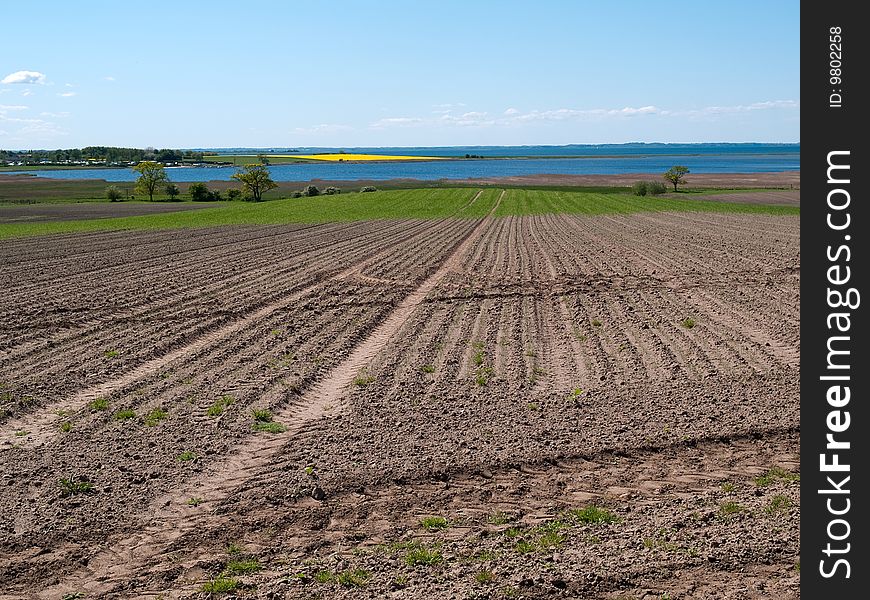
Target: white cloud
[67,94]
[27,130]
[7,107]
[714,111]
[27,93]
[109,78]
[511,111]
[55,115]
[69,85]
[321,128]
[468,119]
[24,77]
[397,122]
[643,110]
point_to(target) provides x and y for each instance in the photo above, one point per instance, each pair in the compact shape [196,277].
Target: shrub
[310,190]
[654,188]
[114,194]
[172,191]
[199,192]
[215,196]
[639,188]
[369,188]
[234,194]
[296,194]
[332,190]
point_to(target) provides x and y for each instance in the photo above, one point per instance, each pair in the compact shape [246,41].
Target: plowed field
[538,406]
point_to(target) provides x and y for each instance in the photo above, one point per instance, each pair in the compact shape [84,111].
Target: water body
[536,160]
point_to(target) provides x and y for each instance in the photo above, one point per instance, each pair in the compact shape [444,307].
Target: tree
[310,190]
[676,175]
[172,191]
[113,193]
[151,175]
[255,180]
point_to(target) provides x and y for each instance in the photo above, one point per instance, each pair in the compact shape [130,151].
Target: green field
[395,204]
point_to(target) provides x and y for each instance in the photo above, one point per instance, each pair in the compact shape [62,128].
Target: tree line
[254,179]
[107,154]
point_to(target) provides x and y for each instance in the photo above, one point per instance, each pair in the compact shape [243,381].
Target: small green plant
[309,470]
[428,368]
[218,407]
[262,415]
[124,414]
[355,578]
[688,322]
[418,554]
[727,487]
[269,427]
[234,549]
[591,515]
[221,585]
[575,393]
[534,406]
[499,518]
[194,501]
[99,404]
[186,456]
[484,577]
[242,567]
[482,375]
[22,433]
[596,323]
[550,539]
[477,359]
[363,378]
[433,523]
[111,353]
[71,487]
[155,416]
[778,504]
[66,427]
[324,577]
[776,473]
[729,508]
[525,547]
[513,532]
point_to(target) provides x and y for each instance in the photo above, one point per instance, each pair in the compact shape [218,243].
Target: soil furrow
[171,517]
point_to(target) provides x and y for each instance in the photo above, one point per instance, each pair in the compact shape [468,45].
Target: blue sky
[354,73]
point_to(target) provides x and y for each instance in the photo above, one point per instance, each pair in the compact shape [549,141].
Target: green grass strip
[394,204]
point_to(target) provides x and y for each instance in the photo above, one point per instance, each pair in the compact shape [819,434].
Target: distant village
[100,156]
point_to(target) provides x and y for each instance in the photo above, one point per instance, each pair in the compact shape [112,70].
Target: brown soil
[497,373]
[18,213]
